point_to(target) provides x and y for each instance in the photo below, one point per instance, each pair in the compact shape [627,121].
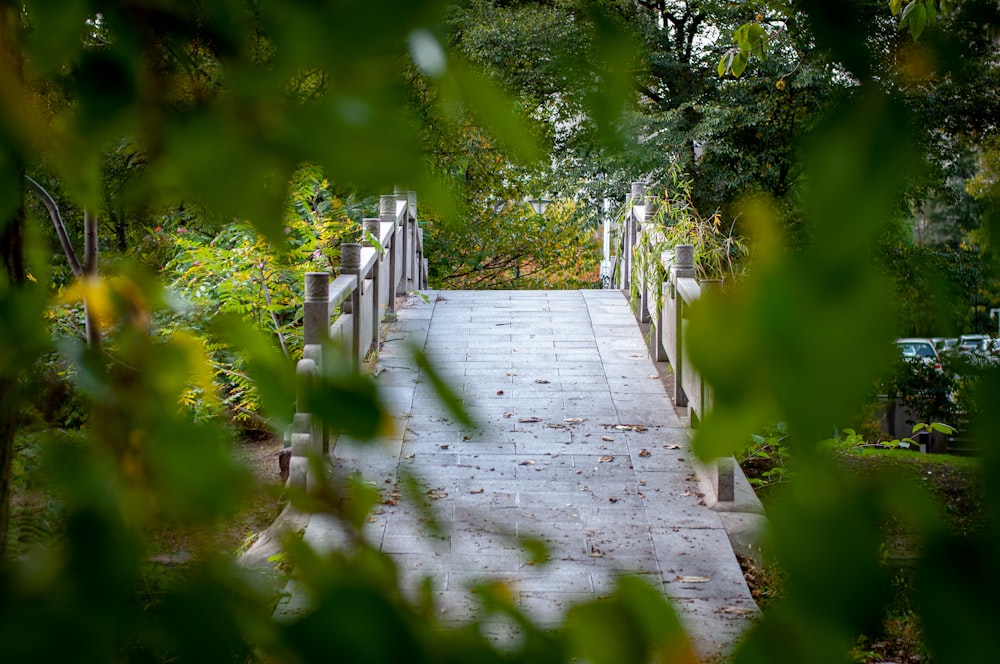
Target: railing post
[372,230]
[303,427]
[316,308]
[387,214]
[320,431]
[420,273]
[683,268]
[408,248]
[350,263]
[645,314]
[638,197]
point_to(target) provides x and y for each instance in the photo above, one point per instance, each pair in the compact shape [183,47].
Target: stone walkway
[579,445]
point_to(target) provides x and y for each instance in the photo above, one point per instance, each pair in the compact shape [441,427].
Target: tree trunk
[93,326]
[13,276]
[12,269]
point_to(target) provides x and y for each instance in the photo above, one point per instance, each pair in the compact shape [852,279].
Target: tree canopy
[824,148]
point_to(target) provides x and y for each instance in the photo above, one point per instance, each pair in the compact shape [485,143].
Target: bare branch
[274,316]
[57,221]
[90,247]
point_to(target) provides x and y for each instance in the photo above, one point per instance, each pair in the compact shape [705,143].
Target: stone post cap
[317,286]
[372,227]
[638,192]
[350,257]
[684,256]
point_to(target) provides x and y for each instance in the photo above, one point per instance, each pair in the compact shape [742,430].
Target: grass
[954,484]
[37,517]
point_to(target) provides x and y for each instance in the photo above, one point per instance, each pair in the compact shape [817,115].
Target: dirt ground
[259,453]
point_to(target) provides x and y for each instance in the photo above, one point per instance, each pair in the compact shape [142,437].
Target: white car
[919,349]
[973,342]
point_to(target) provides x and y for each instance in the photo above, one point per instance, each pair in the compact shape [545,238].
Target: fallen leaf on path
[672,447]
[692,579]
[526,420]
[528,462]
[644,453]
[573,420]
[445,446]
[436,494]
[738,610]
[477,490]
[652,376]
[607,458]
[541,381]
[630,427]
[409,456]
[508,414]
[607,439]
[613,499]
[686,493]
[499,391]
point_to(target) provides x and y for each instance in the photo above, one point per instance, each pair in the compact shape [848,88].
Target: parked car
[919,349]
[944,344]
[973,342]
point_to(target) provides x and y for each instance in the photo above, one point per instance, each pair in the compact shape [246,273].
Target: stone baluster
[350,264]
[387,214]
[316,308]
[408,241]
[372,231]
[683,268]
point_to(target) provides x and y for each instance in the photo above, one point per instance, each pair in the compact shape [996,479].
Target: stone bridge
[577,442]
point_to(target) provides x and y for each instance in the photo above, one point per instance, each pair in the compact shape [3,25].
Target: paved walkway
[579,446]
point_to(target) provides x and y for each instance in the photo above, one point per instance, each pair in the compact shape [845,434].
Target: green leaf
[349,404]
[739,64]
[918,20]
[942,428]
[449,398]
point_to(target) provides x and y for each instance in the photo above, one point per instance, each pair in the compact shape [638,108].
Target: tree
[226,100]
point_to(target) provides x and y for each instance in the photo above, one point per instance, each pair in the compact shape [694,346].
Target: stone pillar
[683,268]
[387,215]
[411,203]
[648,310]
[303,429]
[684,261]
[373,228]
[406,273]
[350,264]
[639,192]
[725,480]
[638,197]
[653,206]
[320,432]
[316,308]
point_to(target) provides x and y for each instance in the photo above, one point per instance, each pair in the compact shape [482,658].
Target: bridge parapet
[344,314]
[663,292]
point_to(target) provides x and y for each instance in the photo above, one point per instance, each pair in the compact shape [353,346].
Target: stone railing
[345,314]
[663,298]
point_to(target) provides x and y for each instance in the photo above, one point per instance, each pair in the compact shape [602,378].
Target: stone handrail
[344,314]
[665,303]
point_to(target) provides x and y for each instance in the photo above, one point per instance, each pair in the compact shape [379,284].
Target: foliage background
[217,106]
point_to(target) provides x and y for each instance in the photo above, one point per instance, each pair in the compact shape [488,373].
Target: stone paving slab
[578,445]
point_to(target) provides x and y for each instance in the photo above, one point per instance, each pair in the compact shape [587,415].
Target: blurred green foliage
[215,106]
